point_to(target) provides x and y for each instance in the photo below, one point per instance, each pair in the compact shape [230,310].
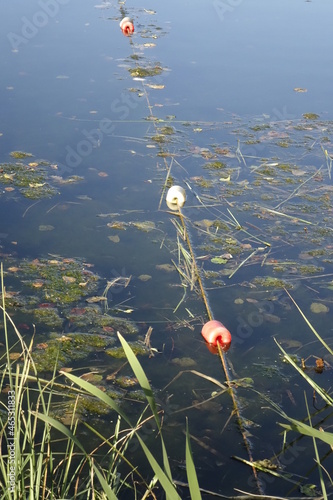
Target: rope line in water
[222,355]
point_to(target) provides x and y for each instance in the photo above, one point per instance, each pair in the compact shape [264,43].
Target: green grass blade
[145,386]
[307,430]
[9,366]
[62,428]
[322,483]
[141,376]
[165,482]
[309,380]
[310,325]
[68,433]
[190,469]
[106,488]
[94,391]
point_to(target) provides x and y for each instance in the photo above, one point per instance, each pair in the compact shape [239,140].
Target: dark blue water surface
[236,83]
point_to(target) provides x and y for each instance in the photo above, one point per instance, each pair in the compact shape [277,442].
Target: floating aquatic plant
[144,72]
[62,350]
[19,155]
[32,181]
[138,348]
[58,280]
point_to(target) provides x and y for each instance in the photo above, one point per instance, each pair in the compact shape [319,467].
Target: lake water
[239,112]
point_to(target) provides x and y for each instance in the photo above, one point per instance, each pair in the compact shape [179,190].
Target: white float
[176,197]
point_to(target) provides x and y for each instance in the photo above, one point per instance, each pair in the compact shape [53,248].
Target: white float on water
[124,20]
[176,197]
[127,26]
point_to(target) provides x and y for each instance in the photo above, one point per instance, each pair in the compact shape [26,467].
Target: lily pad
[169,268]
[272,318]
[185,362]
[318,307]
[239,301]
[114,239]
[145,226]
[144,277]
[218,260]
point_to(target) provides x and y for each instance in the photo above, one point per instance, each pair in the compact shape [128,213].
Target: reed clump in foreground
[41,458]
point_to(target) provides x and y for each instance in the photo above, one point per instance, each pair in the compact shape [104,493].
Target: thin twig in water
[30,206]
[165,184]
[147,343]
[329,161]
[239,154]
[294,217]
[296,191]
[240,228]
[243,262]
[119,281]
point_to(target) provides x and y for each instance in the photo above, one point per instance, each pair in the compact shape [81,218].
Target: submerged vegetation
[143,72]
[33,180]
[27,472]
[36,407]
[73,321]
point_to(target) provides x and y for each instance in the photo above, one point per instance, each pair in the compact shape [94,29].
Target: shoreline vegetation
[33,465]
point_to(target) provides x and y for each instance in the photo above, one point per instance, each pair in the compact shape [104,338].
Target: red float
[127,26]
[215,332]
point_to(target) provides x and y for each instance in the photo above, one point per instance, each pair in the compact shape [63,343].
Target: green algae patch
[31,179]
[167,130]
[214,165]
[311,116]
[308,270]
[62,350]
[159,138]
[59,281]
[118,352]
[283,144]
[47,316]
[270,282]
[122,325]
[84,406]
[260,127]
[34,180]
[141,72]
[19,155]
[203,183]
[90,406]
[60,295]
[46,359]
[125,381]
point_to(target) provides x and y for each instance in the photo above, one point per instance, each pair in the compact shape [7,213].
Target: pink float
[215,332]
[126,26]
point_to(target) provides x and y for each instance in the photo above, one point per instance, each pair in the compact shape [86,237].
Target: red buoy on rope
[215,332]
[126,26]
